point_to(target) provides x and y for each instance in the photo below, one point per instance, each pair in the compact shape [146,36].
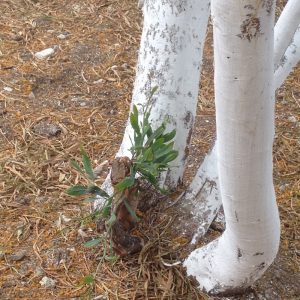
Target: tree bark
[170,58]
[243,41]
[289,60]
[200,202]
[285,29]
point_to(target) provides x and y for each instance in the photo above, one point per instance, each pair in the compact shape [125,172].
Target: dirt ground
[80,95]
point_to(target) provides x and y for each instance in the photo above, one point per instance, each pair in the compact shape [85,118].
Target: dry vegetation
[81,95]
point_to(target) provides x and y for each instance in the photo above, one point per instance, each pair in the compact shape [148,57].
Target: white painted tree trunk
[243,41]
[200,197]
[170,57]
[289,60]
[201,202]
[285,29]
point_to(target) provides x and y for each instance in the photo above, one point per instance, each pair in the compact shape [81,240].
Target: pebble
[62,36]
[47,282]
[45,53]
[292,119]
[7,89]
[39,271]
[31,96]
[99,81]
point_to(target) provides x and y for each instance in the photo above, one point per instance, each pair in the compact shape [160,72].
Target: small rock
[45,53]
[7,89]
[39,271]
[283,187]
[82,233]
[31,96]
[47,282]
[63,36]
[292,119]
[47,129]
[98,81]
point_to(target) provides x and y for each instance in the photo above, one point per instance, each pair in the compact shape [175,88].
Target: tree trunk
[289,60]
[200,203]
[243,41]
[170,58]
[285,29]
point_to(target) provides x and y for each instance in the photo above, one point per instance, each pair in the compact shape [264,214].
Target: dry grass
[85,89]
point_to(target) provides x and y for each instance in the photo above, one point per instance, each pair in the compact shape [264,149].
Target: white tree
[239,168]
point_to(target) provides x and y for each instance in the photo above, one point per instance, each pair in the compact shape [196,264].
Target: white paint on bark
[170,58]
[195,195]
[285,29]
[201,200]
[289,60]
[244,92]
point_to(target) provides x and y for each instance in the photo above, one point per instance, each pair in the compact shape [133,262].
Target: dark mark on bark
[268,4]
[236,216]
[239,251]
[261,266]
[187,148]
[187,119]
[249,6]
[258,253]
[250,28]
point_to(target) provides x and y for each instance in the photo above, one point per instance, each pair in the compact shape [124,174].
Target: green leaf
[148,130]
[158,144]
[112,220]
[156,134]
[149,177]
[168,157]
[131,211]
[125,183]
[106,211]
[134,120]
[77,190]
[89,200]
[163,149]
[148,155]
[87,164]
[92,243]
[93,189]
[76,166]
[88,279]
[169,136]
[138,141]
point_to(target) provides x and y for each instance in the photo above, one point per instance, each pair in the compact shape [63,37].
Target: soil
[80,95]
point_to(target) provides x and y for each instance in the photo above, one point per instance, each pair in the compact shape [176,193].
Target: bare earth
[80,96]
